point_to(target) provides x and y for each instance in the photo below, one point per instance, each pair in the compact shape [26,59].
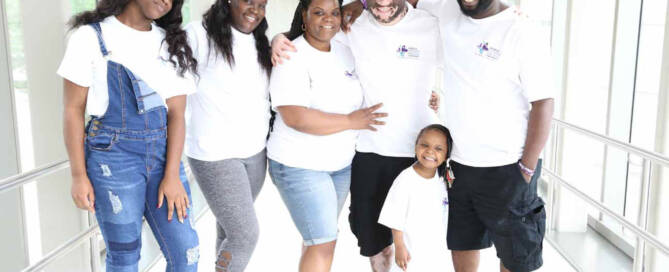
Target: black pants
[372,175]
[495,205]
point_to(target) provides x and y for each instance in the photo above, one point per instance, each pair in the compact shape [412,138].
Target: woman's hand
[173,191]
[402,256]
[365,118]
[280,47]
[82,193]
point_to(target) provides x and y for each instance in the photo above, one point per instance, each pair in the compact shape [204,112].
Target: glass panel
[582,163]
[186,12]
[78,6]
[13,247]
[651,42]
[591,43]
[76,260]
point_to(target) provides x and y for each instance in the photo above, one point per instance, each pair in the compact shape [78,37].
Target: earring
[450,177]
[304,28]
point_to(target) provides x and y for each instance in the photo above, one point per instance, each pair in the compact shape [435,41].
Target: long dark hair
[296,26]
[218,23]
[449,144]
[175,36]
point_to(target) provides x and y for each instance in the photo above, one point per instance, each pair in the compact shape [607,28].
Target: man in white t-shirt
[397,52]
[498,106]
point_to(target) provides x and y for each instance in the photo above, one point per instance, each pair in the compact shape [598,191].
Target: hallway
[279,246]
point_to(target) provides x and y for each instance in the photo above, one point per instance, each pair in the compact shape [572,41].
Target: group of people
[343,102]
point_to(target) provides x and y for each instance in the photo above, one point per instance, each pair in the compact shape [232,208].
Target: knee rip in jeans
[223,263]
[193,255]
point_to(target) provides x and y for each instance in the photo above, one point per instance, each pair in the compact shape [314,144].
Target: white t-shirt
[228,116]
[142,52]
[494,67]
[325,81]
[397,66]
[419,208]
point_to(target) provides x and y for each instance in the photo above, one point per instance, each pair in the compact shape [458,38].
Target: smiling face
[247,14]
[322,20]
[431,149]
[474,8]
[386,11]
[154,9]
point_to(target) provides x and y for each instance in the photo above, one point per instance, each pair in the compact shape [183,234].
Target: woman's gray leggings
[230,187]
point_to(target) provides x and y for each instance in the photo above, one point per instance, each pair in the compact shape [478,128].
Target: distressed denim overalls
[125,161]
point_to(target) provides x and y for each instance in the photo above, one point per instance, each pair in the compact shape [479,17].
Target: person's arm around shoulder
[281,47]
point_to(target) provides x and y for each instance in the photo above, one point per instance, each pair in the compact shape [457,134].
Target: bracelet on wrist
[526,170]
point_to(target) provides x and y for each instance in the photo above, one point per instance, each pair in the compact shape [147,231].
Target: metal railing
[89,234]
[15,181]
[640,227]
[643,236]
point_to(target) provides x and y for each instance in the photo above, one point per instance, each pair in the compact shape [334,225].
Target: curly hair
[217,21]
[175,36]
[296,26]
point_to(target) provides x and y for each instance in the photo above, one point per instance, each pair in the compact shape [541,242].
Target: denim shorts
[313,198]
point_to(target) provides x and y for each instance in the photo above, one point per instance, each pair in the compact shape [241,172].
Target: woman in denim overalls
[124,168]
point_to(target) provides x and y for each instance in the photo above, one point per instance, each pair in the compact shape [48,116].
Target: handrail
[76,241]
[648,237]
[63,249]
[653,156]
[20,179]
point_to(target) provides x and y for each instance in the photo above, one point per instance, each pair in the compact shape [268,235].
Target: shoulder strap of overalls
[98,31]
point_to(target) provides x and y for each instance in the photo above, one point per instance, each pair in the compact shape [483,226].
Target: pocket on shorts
[101,142]
[528,228]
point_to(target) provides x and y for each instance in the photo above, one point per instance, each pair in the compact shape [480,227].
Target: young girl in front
[126,65]
[416,208]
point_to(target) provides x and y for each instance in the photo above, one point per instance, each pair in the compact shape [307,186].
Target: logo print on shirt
[485,50]
[351,74]
[408,52]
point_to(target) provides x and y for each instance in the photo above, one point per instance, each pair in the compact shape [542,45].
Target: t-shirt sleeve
[78,62]
[290,83]
[395,208]
[177,84]
[535,65]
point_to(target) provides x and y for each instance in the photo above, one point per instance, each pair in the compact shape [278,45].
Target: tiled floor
[279,245]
